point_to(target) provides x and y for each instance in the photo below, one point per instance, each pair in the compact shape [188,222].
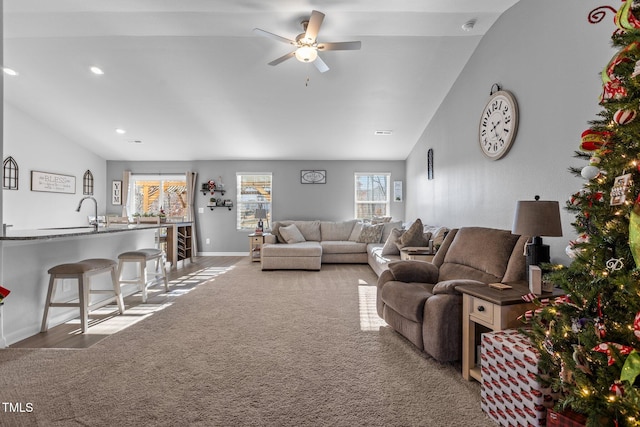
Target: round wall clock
[498,124]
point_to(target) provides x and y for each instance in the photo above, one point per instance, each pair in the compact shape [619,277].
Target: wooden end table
[494,309]
[256,241]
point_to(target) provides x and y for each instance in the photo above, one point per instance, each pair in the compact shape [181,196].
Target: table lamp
[537,218]
[260,215]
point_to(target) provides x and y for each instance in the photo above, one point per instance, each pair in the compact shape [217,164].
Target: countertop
[50,233]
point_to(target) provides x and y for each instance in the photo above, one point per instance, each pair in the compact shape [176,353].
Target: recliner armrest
[449,286]
[414,271]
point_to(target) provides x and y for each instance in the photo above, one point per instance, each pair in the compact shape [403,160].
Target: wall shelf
[212,207]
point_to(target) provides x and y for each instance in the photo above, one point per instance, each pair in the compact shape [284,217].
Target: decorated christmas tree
[589,339]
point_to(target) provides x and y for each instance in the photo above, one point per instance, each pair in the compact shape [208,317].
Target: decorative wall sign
[430,163]
[397,191]
[53,182]
[116,193]
[10,174]
[313,176]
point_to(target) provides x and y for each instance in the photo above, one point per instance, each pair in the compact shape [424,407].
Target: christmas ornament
[548,345]
[619,190]
[617,388]
[579,357]
[4,292]
[613,90]
[592,140]
[636,70]
[634,232]
[212,186]
[615,264]
[606,349]
[623,117]
[636,326]
[590,172]
[601,329]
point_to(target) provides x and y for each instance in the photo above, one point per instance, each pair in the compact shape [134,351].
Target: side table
[255,245]
[494,309]
[419,254]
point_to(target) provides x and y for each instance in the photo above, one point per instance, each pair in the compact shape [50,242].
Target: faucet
[95,202]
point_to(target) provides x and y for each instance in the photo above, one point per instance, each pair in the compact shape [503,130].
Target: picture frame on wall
[430,163]
[313,176]
[116,193]
[397,191]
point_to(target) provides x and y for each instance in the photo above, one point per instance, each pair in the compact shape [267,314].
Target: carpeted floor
[248,348]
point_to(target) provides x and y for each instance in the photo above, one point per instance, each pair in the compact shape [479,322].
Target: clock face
[498,125]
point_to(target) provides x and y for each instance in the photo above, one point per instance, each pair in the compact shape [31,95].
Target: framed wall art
[397,191]
[116,193]
[53,182]
[430,163]
[313,176]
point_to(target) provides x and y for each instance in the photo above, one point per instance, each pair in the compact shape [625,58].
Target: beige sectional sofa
[310,244]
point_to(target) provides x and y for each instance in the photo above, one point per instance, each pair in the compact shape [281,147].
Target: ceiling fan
[306,45]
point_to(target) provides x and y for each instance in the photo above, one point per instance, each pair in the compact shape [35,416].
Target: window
[87,183]
[372,195]
[151,194]
[254,192]
[10,174]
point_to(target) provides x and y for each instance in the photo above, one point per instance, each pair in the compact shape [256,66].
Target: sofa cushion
[437,234]
[302,249]
[407,299]
[479,254]
[388,228]
[414,236]
[380,219]
[390,246]
[355,233]
[310,229]
[342,247]
[370,233]
[339,230]
[291,234]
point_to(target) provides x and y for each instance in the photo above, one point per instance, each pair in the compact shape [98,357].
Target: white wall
[550,57]
[37,147]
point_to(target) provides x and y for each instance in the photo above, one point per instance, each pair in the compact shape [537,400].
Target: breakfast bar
[27,255]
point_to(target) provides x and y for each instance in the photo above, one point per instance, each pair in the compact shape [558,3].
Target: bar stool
[142,256]
[82,271]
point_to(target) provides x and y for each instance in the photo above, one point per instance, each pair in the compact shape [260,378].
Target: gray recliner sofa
[419,300]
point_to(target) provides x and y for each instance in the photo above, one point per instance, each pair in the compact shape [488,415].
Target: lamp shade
[537,218]
[261,213]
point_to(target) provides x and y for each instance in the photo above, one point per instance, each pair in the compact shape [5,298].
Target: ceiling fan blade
[320,65]
[282,58]
[340,46]
[264,33]
[315,21]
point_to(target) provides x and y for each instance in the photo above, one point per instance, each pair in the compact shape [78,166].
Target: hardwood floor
[105,321]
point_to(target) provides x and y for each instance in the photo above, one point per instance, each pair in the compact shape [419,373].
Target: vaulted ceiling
[188,79]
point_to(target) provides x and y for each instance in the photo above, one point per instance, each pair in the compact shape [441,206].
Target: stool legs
[44,326]
[142,279]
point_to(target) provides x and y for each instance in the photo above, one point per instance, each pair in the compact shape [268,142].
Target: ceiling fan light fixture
[306,54]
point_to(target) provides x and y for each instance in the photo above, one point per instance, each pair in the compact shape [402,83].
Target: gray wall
[291,199]
[550,57]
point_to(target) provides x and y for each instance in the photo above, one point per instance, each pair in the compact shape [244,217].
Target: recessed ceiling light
[383,132]
[468,26]
[9,71]
[96,70]
[135,141]
[121,131]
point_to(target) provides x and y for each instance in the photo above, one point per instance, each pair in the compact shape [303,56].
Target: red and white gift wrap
[511,394]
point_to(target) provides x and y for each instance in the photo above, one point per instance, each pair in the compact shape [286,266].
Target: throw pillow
[370,233]
[413,237]
[380,219]
[390,246]
[291,234]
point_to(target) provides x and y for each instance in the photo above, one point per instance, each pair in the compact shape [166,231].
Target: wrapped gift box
[565,419]
[510,392]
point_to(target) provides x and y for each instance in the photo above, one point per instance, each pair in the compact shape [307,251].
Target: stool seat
[147,253]
[83,266]
[82,271]
[141,257]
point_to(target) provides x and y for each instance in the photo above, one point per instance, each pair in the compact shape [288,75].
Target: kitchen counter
[57,232]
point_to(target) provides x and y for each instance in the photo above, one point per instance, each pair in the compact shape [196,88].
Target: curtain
[191,198]
[126,177]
